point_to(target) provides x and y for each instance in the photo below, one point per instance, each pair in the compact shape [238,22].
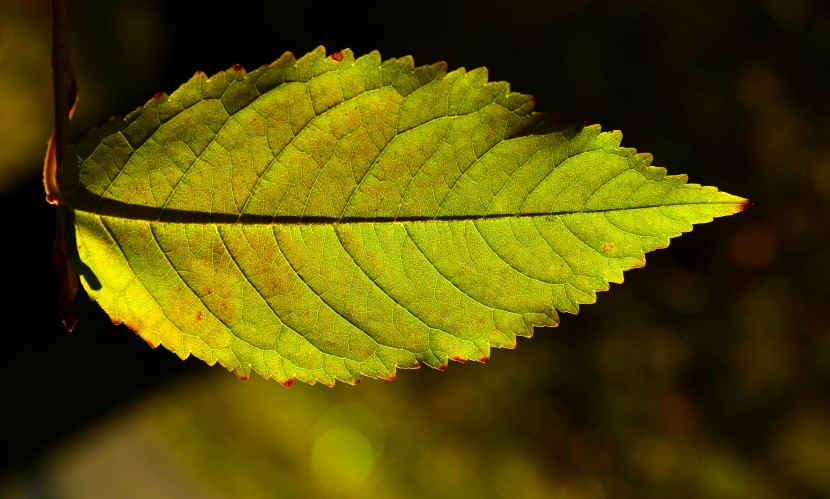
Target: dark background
[706,375]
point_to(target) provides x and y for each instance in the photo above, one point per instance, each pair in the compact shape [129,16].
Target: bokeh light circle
[342,458]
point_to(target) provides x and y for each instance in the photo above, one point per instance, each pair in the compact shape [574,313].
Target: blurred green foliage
[706,375]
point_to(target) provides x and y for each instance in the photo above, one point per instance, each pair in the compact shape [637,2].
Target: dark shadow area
[58,383]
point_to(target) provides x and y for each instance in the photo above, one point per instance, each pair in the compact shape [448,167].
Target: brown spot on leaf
[608,248]
[158,95]
[442,367]
[337,56]
[357,381]
[243,377]
[238,68]
[287,383]
[391,377]
[199,316]
[484,359]
[459,359]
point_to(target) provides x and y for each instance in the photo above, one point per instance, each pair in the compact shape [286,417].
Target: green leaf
[327,218]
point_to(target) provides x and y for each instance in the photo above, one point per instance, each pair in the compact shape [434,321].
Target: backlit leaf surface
[327,218]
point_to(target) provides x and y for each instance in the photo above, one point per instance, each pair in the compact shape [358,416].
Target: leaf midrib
[127,211]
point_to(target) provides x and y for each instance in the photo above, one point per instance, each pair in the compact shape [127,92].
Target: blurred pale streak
[117,458]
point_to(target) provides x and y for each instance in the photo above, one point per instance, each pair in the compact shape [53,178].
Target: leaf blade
[370,217]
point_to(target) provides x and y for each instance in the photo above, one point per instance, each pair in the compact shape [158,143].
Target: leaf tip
[747,204]
[158,95]
[442,367]
[288,383]
[484,359]
[242,377]
[337,56]
[238,68]
[462,360]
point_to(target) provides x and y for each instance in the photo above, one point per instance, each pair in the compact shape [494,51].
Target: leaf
[327,218]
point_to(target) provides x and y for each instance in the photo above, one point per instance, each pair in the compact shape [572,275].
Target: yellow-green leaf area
[328,218]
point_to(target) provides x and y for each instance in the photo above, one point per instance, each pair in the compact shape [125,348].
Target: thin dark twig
[65,96]
[65,93]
